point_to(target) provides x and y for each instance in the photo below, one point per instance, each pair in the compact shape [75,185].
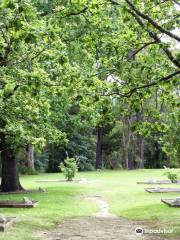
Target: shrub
[27,171]
[69,168]
[171,174]
[85,164]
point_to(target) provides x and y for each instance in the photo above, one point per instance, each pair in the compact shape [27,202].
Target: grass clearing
[66,199]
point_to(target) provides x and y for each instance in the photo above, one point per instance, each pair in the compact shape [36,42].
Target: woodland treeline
[97,80]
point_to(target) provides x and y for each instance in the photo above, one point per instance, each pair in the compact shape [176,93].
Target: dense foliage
[72,68]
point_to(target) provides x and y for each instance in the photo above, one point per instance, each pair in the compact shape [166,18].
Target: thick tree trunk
[9,172]
[30,156]
[99,148]
[10,177]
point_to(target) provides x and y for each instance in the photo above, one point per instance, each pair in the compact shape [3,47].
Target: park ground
[71,200]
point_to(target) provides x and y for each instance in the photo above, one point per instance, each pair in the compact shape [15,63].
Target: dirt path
[102,226]
[103,207]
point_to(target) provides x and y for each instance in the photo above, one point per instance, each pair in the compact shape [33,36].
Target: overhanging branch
[151,21]
[151,34]
[134,53]
[157,39]
[154,83]
[176,2]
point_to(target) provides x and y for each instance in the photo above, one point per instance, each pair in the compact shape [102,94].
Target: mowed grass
[66,200]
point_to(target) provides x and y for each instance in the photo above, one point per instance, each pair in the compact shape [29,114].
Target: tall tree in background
[30,156]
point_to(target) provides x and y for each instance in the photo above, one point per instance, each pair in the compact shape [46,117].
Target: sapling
[69,168]
[171,174]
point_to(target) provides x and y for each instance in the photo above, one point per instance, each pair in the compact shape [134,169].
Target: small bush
[69,168]
[85,164]
[171,174]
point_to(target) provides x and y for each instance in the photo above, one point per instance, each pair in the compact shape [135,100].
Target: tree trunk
[30,156]
[9,172]
[10,177]
[141,152]
[99,148]
[140,142]
[167,160]
[126,141]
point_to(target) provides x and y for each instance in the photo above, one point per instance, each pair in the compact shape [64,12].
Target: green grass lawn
[119,188]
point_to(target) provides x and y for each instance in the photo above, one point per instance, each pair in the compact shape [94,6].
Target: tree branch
[135,89]
[151,34]
[176,2]
[114,2]
[134,53]
[157,39]
[151,21]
